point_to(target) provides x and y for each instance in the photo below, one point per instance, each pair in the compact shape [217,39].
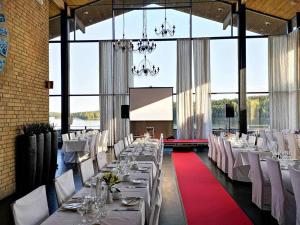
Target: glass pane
[55,112]
[257,65]
[84,112]
[165,58]
[55,68]
[84,68]
[219,120]
[224,66]
[258,115]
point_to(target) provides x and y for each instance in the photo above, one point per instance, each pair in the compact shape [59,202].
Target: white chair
[97,143]
[262,134]
[103,141]
[293,146]
[126,143]
[261,188]
[78,133]
[92,146]
[86,170]
[244,137]
[131,137]
[155,211]
[237,135]
[64,187]
[235,173]
[251,140]
[117,150]
[219,154]
[224,164]
[280,141]
[295,178]
[32,209]
[210,145]
[101,160]
[72,136]
[65,137]
[260,142]
[122,145]
[283,205]
[214,150]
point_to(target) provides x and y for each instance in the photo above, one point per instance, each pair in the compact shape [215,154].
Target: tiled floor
[172,212]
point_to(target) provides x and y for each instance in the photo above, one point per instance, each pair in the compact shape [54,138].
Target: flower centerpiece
[111,179]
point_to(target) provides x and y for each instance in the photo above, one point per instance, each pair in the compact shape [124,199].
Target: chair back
[295,178]
[251,140]
[65,137]
[277,191]
[78,133]
[64,187]
[117,150]
[229,156]
[126,143]
[92,145]
[122,145]
[72,136]
[224,164]
[244,137]
[237,135]
[155,211]
[260,142]
[293,146]
[262,134]
[131,137]
[255,169]
[209,145]
[220,155]
[280,141]
[86,170]
[97,143]
[32,209]
[101,160]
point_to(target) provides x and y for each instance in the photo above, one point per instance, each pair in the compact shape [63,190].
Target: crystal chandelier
[145,68]
[123,44]
[165,28]
[145,46]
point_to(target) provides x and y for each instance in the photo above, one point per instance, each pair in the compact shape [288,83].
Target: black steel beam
[242,67]
[65,53]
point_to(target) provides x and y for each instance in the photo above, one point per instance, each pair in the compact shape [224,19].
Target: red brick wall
[23,96]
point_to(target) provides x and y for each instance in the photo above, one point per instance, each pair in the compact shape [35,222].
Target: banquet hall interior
[139,112]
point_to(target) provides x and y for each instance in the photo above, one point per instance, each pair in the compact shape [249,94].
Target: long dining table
[117,214]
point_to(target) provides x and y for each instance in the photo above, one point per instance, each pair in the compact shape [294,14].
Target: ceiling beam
[61,4]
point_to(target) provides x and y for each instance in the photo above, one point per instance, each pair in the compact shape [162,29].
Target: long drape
[115,79]
[201,57]
[284,81]
[184,103]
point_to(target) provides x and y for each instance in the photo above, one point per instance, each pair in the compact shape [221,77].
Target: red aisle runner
[204,199]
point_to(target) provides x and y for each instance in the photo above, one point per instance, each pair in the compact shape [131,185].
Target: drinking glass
[82,210]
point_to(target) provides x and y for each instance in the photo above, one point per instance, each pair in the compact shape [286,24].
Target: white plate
[71,205]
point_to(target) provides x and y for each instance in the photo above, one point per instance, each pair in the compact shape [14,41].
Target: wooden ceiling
[263,16]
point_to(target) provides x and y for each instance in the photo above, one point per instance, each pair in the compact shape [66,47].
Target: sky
[84,61]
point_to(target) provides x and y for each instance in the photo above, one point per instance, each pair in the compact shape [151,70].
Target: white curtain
[123,80]
[284,81]
[106,89]
[201,54]
[184,90]
[115,79]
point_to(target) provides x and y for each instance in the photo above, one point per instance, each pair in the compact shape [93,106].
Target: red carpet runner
[204,199]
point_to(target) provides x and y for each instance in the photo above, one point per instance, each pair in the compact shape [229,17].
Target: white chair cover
[293,146]
[283,206]
[260,142]
[117,150]
[237,135]
[65,137]
[32,209]
[235,173]
[214,150]
[219,153]
[131,137]
[251,140]
[78,133]
[224,164]
[262,134]
[92,146]
[97,143]
[280,141]
[103,141]
[72,136]
[295,178]
[155,210]
[244,137]
[122,145]
[101,160]
[261,188]
[64,187]
[86,170]
[209,145]
[126,142]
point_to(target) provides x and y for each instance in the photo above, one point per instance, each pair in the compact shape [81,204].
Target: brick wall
[23,96]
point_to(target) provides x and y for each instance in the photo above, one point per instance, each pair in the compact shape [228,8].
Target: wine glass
[82,210]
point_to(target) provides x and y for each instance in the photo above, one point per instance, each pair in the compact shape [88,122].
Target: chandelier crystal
[145,68]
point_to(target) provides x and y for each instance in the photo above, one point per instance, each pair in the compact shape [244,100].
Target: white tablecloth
[74,149]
